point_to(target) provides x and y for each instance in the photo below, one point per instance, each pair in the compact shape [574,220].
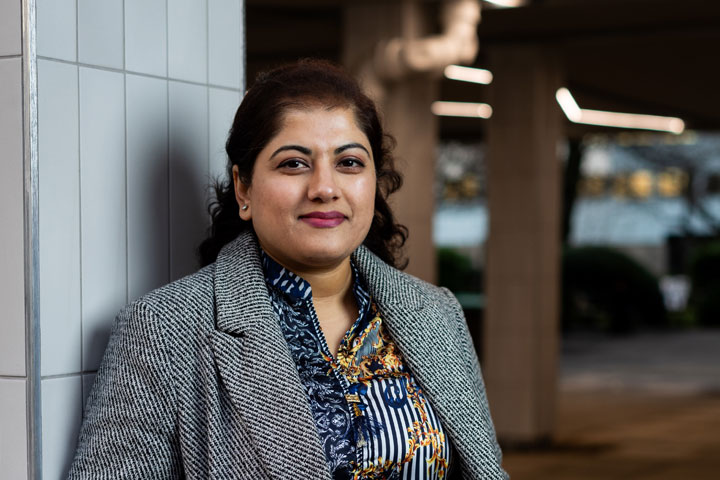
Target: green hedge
[455,271]
[606,290]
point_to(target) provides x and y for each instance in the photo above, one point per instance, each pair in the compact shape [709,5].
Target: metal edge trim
[31,238]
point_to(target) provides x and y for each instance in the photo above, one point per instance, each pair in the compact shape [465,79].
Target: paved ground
[641,407]
[664,363]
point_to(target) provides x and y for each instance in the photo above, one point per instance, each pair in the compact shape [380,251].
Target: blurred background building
[566,187]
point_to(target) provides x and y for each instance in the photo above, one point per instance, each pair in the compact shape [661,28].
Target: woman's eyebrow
[349,146]
[301,149]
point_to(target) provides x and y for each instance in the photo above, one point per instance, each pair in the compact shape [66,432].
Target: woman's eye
[350,163]
[291,164]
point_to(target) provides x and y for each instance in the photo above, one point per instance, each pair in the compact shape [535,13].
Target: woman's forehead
[320,125]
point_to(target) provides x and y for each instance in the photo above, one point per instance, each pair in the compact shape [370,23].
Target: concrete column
[408,118]
[523,269]
[405,107]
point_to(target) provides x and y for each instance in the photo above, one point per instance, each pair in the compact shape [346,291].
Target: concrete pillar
[408,118]
[405,107]
[523,268]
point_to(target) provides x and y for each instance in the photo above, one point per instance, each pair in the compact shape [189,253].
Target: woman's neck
[331,284]
[332,297]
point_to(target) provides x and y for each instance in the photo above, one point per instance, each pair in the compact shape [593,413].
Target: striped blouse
[373,419]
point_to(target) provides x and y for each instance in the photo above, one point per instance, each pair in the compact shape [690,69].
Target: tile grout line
[124,63]
[207,42]
[79,146]
[14,378]
[167,40]
[127,220]
[77,31]
[243,35]
[168,271]
[207,94]
[58,376]
[139,74]
[125,143]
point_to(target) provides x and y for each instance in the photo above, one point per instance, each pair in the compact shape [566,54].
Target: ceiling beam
[539,22]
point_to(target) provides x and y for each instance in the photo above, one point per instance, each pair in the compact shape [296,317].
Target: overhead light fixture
[461,109]
[616,119]
[568,104]
[508,3]
[468,74]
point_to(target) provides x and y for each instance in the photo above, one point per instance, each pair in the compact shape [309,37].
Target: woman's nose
[323,186]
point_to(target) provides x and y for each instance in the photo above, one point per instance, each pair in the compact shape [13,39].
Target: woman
[299,351]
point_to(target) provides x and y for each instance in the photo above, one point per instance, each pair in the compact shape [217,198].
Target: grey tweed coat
[197,380]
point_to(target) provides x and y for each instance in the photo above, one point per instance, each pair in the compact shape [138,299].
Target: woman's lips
[323,219]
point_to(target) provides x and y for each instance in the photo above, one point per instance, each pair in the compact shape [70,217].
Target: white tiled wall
[56,29]
[100,32]
[13,431]
[59,212]
[10,27]
[12,276]
[189,168]
[221,114]
[224,52]
[147,183]
[13,368]
[187,40]
[87,382]
[146,36]
[135,99]
[102,207]
[62,405]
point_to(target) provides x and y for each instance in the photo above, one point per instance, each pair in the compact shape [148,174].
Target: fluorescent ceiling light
[616,119]
[461,109]
[507,3]
[633,120]
[468,74]
[568,104]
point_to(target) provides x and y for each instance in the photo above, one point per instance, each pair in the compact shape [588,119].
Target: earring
[244,207]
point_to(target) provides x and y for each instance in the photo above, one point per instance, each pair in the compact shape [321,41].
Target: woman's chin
[320,259]
[317,250]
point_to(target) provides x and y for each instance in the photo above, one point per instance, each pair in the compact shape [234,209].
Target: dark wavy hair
[303,84]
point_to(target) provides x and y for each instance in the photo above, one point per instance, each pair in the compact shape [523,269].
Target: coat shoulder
[182,302]
[432,291]
[389,285]
[438,296]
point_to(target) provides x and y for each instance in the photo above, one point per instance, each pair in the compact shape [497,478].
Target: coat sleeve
[475,372]
[129,427]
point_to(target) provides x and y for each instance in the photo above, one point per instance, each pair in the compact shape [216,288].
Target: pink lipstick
[323,219]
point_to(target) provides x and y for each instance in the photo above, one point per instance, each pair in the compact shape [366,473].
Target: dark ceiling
[642,56]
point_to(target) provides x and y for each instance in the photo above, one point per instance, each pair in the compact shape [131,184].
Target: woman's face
[312,195]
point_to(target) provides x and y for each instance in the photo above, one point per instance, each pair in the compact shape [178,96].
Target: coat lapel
[257,370]
[428,340]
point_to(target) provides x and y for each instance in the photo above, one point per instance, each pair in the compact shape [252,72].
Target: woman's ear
[242,195]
